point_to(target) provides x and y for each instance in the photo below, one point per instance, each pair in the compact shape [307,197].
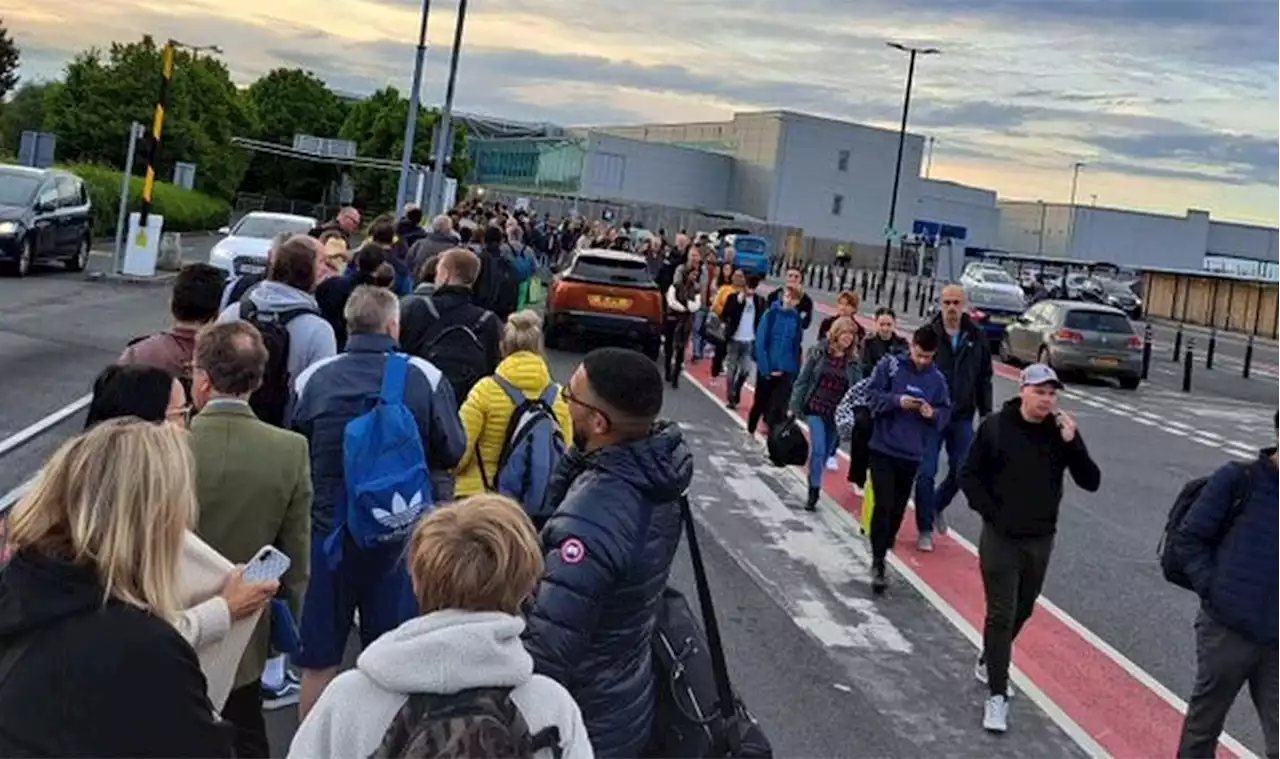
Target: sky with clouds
[1171,104]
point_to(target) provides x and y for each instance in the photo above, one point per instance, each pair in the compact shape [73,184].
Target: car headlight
[8,228]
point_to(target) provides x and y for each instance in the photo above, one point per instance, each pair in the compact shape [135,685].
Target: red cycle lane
[1105,698]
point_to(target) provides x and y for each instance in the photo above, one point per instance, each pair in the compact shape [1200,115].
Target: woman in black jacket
[885,340]
[90,661]
[369,267]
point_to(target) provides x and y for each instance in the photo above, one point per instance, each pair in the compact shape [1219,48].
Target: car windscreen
[1007,300]
[1098,321]
[994,277]
[266,227]
[17,189]
[611,271]
[1112,287]
[748,245]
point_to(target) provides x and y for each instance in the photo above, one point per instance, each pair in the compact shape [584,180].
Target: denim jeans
[738,362]
[699,319]
[956,437]
[823,440]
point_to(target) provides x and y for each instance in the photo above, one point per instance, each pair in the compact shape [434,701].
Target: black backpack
[455,350]
[1171,564]
[501,284]
[271,398]
[473,723]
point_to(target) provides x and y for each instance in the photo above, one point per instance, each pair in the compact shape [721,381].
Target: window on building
[842,162]
[837,205]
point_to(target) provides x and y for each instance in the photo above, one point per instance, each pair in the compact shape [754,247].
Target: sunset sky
[1171,104]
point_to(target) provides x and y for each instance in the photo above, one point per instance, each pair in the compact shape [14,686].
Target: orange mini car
[606,293]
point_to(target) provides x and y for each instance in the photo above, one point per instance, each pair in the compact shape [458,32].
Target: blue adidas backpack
[385,467]
[531,452]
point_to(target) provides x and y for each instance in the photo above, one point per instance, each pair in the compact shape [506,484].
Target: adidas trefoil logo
[402,514]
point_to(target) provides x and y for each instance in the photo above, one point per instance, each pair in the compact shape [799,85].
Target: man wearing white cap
[1013,478]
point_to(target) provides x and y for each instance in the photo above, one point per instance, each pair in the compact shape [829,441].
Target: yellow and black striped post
[153,144]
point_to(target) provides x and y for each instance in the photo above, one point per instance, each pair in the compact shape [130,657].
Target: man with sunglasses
[609,547]
[964,358]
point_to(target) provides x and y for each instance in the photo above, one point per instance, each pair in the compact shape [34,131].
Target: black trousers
[244,710]
[1013,571]
[859,447]
[770,401]
[1226,663]
[675,338]
[891,478]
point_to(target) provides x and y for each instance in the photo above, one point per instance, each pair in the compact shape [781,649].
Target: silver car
[1076,337]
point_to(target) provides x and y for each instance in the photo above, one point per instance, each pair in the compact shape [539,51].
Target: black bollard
[1213,346]
[831,279]
[812,271]
[906,295]
[865,283]
[1146,351]
[878,285]
[844,275]
[1187,363]
[932,295]
[1248,357]
[920,296]
[1177,343]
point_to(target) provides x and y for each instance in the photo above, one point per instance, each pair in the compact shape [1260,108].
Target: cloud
[1234,158]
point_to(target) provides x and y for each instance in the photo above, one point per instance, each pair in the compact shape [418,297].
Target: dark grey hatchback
[45,215]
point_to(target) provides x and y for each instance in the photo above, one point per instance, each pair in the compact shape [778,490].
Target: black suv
[45,215]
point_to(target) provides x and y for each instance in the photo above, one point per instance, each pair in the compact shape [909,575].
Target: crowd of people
[375,441]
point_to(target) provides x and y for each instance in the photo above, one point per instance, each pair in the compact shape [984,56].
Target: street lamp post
[928,161]
[1071,220]
[444,141]
[897,171]
[411,121]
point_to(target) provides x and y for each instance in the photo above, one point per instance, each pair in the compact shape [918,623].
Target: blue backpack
[531,452]
[385,467]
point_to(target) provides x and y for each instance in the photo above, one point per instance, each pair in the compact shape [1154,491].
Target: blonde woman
[486,414]
[473,563]
[830,369]
[95,664]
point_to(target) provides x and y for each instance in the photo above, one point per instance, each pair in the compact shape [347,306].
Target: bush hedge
[183,210]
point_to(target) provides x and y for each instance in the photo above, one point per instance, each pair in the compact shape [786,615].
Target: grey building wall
[834,178]
[758,144]
[645,172]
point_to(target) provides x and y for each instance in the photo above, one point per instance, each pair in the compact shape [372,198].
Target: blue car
[751,254]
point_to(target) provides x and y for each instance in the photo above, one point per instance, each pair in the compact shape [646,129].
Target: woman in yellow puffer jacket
[487,411]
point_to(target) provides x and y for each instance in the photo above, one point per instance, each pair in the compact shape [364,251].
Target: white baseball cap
[1039,374]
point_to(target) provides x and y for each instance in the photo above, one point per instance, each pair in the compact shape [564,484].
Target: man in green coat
[253,482]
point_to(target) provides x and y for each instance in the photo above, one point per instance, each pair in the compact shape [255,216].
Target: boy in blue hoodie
[908,399]
[777,353]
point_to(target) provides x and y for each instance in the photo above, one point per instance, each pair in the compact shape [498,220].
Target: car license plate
[1105,361]
[250,268]
[608,302]
[1000,320]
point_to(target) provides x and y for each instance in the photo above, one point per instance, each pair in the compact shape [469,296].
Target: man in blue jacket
[330,394]
[909,401]
[777,352]
[1228,547]
[609,548]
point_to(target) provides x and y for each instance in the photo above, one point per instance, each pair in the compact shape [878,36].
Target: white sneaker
[833,464]
[995,715]
[940,523]
[924,543]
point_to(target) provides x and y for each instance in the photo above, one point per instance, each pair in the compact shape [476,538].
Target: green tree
[102,94]
[9,59]
[25,111]
[376,125]
[284,103]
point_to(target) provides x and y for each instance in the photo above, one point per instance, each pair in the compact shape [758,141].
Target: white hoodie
[442,652]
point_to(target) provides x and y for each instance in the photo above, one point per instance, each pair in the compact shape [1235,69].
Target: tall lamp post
[444,128]
[1071,220]
[411,121]
[897,172]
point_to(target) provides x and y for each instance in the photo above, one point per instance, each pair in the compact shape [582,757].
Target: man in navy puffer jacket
[609,548]
[779,338]
[1231,562]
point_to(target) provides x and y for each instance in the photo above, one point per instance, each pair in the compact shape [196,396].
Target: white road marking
[24,435]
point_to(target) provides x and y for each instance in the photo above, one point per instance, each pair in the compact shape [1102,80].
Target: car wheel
[552,338]
[1006,351]
[1130,383]
[80,260]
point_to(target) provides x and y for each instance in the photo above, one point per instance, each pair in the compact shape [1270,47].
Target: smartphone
[269,564]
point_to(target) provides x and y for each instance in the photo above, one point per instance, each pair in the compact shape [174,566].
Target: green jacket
[253,482]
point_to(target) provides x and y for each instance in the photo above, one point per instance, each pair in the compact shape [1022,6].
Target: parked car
[606,293]
[995,299]
[1076,337]
[1110,292]
[973,267]
[45,215]
[244,247]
